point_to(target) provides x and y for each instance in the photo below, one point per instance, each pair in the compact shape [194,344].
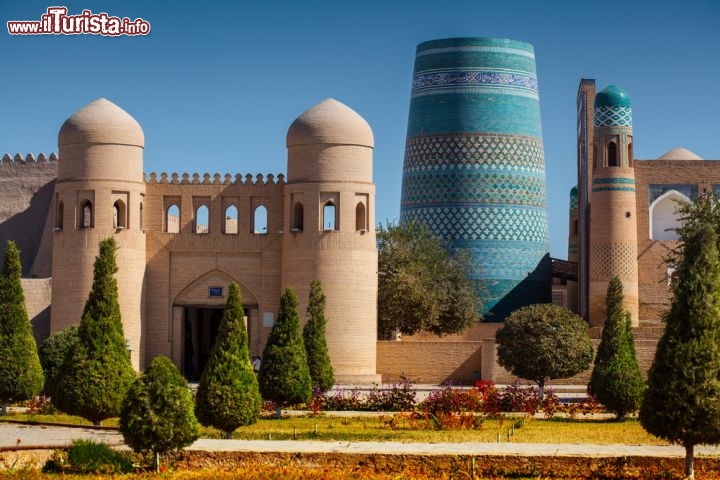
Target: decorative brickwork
[610,259]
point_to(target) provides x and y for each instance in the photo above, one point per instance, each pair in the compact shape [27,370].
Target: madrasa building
[474,172]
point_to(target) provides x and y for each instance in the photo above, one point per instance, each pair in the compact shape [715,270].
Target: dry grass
[601,432]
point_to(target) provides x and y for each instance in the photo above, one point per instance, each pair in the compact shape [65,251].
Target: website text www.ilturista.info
[57,22]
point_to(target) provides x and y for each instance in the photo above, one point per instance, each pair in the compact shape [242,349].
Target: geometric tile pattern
[619,184]
[427,188]
[574,198]
[613,116]
[484,223]
[513,153]
[613,188]
[449,81]
[656,190]
[474,170]
[621,180]
[499,258]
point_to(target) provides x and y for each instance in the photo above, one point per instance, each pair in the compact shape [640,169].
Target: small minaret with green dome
[613,224]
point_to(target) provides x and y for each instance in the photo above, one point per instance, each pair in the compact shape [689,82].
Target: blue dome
[612,96]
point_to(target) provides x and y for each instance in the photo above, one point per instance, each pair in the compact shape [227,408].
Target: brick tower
[99,193]
[613,223]
[329,231]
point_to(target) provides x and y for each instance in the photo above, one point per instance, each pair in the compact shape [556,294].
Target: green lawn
[401,428]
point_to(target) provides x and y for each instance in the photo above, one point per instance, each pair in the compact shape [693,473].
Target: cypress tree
[21,376]
[284,374]
[228,396]
[321,370]
[616,379]
[97,372]
[157,412]
[681,402]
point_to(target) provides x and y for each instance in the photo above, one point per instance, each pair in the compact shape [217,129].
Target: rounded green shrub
[157,412]
[52,355]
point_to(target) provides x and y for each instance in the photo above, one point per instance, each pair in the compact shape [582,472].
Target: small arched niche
[260,220]
[231,220]
[612,155]
[663,216]
[361,217]
[119,214]
[329,218]
[172,219]
[142,219]
[59,215]
[298,222]
[86,214]
[202,218]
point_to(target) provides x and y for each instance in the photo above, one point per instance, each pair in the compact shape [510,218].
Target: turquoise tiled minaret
[474,169]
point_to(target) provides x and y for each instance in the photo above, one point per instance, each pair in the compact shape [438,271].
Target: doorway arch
[197,311]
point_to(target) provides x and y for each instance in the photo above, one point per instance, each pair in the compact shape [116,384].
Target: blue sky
[215,85]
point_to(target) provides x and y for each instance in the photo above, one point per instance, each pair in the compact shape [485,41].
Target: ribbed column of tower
[613,222]
[474,170]
[572,255]
[329,231]
[99,194]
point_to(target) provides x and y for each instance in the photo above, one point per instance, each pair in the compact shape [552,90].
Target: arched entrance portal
[197,312]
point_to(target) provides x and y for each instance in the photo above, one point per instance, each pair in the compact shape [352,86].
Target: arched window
[86,214]
[612,155]
[298,217]
[663,217]
[231,220]
[260,220]
[360,217]
[142,220]
[119,215]
[59,215]
[172,219]
[202,215]
[630,155]
[329,220]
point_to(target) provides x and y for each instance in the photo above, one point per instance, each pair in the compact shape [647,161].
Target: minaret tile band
[474,169]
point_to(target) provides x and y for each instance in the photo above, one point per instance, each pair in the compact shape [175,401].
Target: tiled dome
[612,96]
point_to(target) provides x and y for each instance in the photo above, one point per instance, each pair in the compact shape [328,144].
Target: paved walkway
[56,437]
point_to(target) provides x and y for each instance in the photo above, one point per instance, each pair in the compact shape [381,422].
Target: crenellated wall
[27,184]
[215,179]
[185,256]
